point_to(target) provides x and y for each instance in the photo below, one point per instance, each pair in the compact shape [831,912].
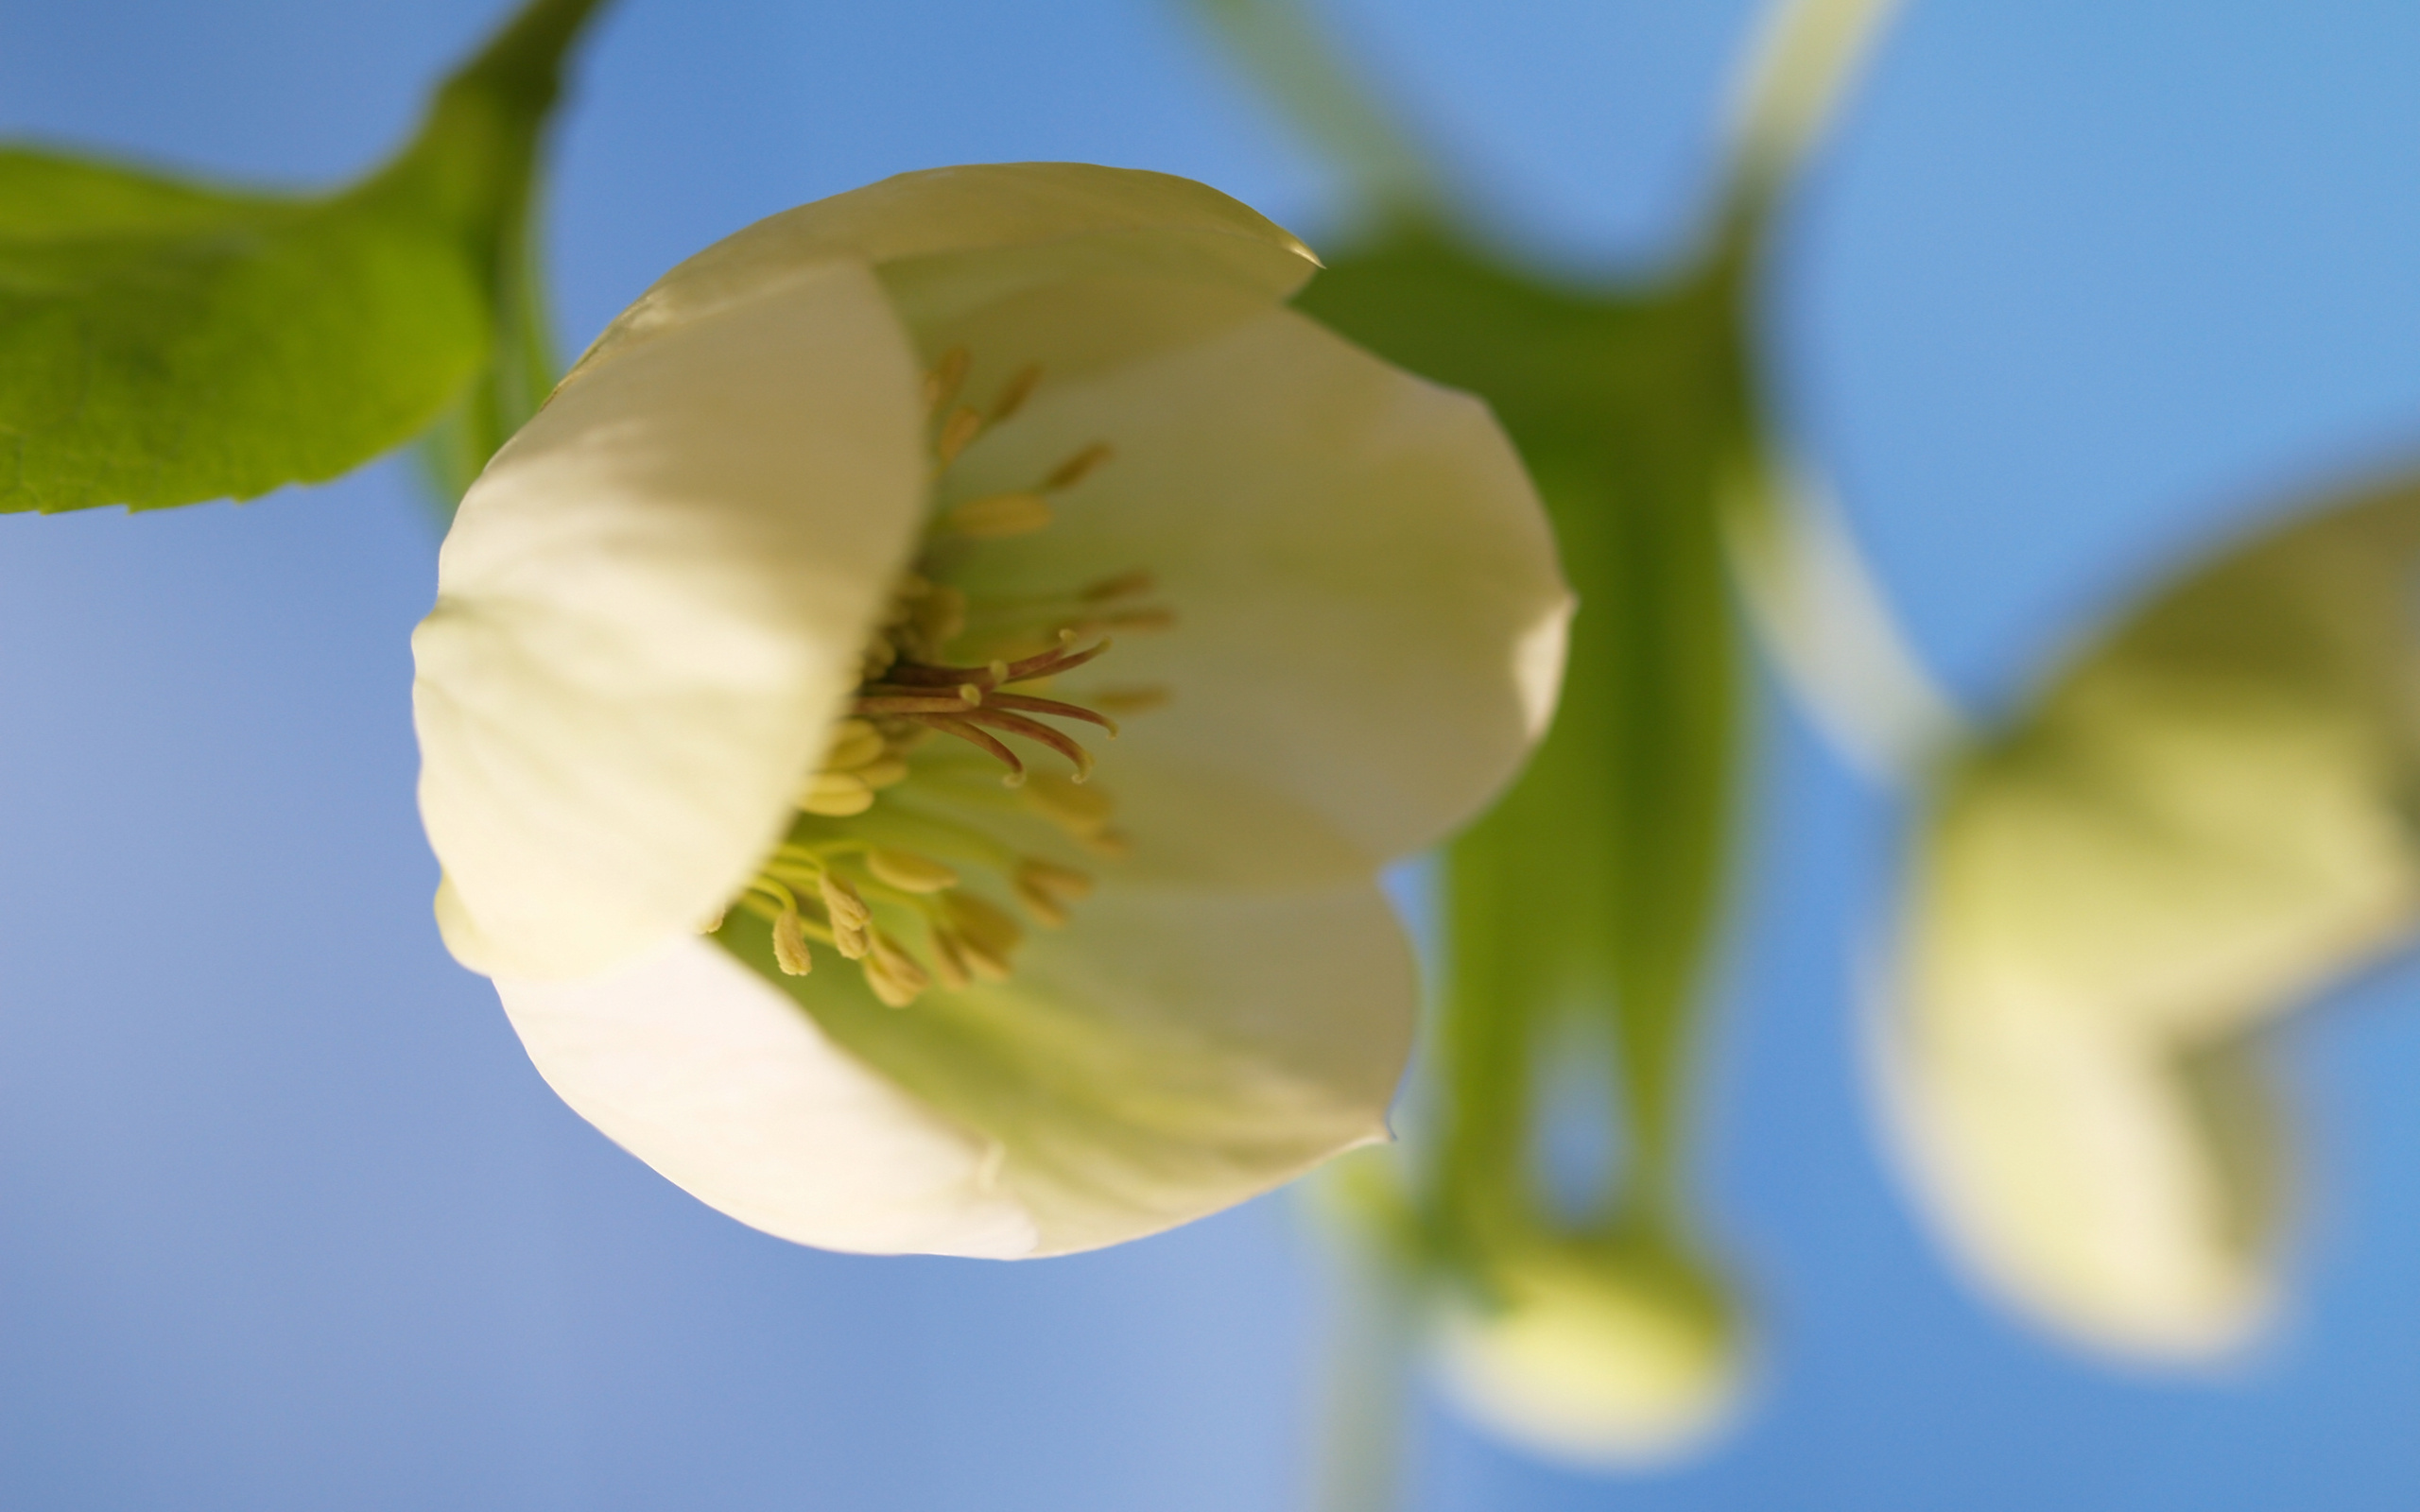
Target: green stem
[1367,1369]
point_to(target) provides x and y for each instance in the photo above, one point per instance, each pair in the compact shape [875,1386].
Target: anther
[855,744]
[1077,468]
[1065,884]
[956,431]
[986,933]
[909,871]
[1125,585]
[999,515]
[1130,700]
[1047,890]
[1016,391]
[852,922]
[893,974]
[942,383]
[789,945]
[949,963]
[835,795]
[1083,812]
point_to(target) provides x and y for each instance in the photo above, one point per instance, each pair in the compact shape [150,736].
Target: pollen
[894,847]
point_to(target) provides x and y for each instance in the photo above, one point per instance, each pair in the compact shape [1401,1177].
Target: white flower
[2205,821]
[1595,1354]
[686,665]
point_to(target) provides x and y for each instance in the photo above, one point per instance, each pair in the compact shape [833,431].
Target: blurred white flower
[1595,1354]
[2202,823]
[815,550]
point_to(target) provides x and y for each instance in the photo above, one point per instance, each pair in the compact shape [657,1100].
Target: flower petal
[2204,820]
[1369,617]
[2094,1176]
[705,1071]
[948,241]
[1591,1361]
[649,608]
[1166,1056]
[2181,854]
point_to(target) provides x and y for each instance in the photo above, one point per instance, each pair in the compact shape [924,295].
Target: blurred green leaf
[167,343]
[2205,818]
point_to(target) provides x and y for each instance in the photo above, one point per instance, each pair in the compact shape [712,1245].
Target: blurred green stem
[1596,888]
[1365,1370]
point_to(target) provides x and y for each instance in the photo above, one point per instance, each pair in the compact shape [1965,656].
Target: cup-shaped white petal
[704,1069]
[1367,614]
[948,241]
[1164,1056]
[651,607]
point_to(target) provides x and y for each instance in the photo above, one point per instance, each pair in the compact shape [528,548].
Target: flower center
[897,851]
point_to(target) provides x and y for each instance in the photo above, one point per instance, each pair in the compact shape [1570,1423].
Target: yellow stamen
[909,871]
[1081,811]
[852,922]
[942,383]
[1065,884]
[999,515]
[1047,890]
[982,928]
[949,962]
[1129,700]
[1077,468]
[962,427]
[895,978]
[1015,392]
[1125,585]
[855,744]
[835,795]
[789,945]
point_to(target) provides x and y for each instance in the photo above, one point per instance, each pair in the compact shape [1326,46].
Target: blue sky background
[288,1221]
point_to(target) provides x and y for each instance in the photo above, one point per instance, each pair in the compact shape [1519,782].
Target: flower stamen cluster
[876,819]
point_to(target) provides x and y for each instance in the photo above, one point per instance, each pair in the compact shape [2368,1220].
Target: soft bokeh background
[288,1221]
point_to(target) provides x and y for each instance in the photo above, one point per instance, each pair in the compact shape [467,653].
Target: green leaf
[167,343]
